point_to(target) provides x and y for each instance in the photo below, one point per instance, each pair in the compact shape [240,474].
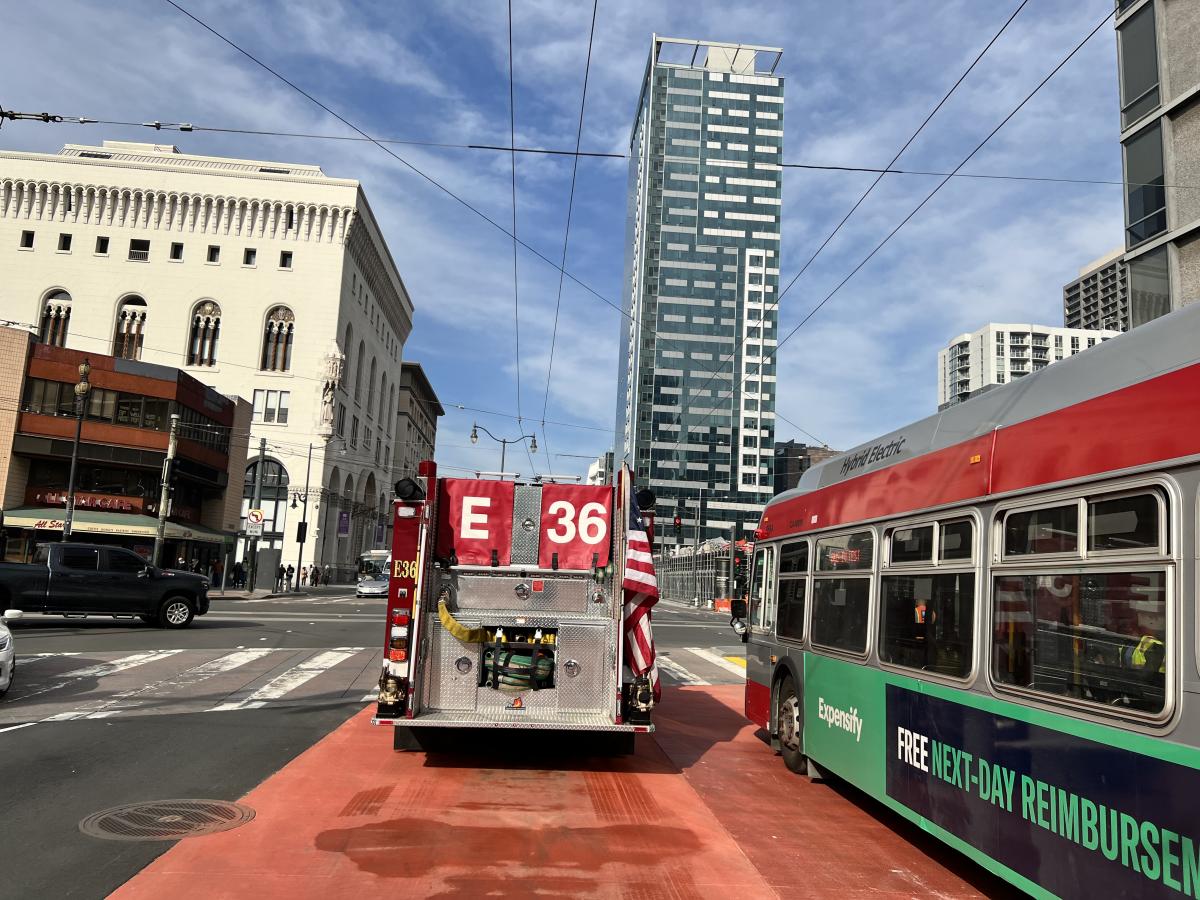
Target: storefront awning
[92,521]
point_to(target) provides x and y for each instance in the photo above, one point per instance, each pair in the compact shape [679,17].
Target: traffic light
[678,527]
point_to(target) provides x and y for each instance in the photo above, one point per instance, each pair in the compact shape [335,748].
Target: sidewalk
[302,594]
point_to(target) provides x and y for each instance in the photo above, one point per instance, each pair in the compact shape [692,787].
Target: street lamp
[503,442]
[81,393]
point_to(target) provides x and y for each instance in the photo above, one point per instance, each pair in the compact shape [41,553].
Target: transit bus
[987,621]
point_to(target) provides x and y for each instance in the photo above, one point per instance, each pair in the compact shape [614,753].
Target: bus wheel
[787,721]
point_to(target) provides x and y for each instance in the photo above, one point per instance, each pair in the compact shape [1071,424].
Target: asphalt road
[106,712]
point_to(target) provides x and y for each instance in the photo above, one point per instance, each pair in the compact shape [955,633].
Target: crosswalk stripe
[288,681]
[100,670]
[674,669]
[371,697]
[717,660]
[187,678]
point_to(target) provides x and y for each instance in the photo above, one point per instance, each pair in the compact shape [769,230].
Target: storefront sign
[41,496]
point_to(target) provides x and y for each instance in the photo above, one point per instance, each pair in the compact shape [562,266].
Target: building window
[139,250]
[214,254]
[1146,196]
[56,317]
[272,495]
[1149,287]
[271,407]
[354,432]
[278,335]
[285,259]
[206,331]
[26,240]
[291,218]
[340,420]
[64,243]
[102,246]
[1137,58]
[249,256]
[177,252]
[129,329]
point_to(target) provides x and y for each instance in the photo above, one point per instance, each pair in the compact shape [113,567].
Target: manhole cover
[165,820]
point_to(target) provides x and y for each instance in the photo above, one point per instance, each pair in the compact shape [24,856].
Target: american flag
[641,593]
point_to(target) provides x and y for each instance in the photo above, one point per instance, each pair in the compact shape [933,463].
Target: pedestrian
[314,575]
[239,575]
[289,575]
[195,567]
[325,575]
[181,565]
[280,574]
[218,571]
[303,577]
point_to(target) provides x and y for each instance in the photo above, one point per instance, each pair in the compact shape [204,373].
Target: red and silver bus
[987,621]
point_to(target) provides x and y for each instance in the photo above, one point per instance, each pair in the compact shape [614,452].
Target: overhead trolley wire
[853,209]
[567,230]
[775,351]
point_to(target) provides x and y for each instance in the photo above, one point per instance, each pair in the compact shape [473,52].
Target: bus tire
[787,726]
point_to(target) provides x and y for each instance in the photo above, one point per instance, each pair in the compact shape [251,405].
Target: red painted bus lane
[702,809]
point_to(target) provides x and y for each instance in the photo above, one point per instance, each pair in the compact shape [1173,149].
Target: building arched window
[362,350]
[205,332]
[56,318]
[130,328]
[272,498]
[371,389]
[278,335]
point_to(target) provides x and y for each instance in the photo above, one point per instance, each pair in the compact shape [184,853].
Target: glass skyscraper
[696,398]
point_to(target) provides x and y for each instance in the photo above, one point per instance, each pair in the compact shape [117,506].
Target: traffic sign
[254,523]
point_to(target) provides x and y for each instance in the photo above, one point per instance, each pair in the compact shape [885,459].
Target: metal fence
[694,576]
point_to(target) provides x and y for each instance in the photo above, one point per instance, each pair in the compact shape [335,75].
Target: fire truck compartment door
[446,687]
[532,594]
[527,512]
[588,651]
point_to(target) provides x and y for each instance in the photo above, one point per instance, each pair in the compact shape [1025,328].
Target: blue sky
[859,77]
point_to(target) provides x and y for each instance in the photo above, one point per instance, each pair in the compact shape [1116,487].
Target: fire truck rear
[505,610]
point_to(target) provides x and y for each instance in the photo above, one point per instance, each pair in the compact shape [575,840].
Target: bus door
[760,644]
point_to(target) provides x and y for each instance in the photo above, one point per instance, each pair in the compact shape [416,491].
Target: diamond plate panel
[494,592]
[557,721]
[445,687]
[533,703]
[592,647]
[527,515]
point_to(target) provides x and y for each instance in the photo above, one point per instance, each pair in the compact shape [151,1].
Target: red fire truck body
[505,609]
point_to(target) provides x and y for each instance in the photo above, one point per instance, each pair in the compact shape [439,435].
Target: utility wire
[853,209]
[567,230]
[512,140]
[300,135]
[775,352]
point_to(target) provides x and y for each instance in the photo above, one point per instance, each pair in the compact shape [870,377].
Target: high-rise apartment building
[696,399]
[998,353]
[1099,297]
[268,280]
[1158,55]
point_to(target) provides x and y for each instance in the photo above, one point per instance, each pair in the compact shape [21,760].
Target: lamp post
[503,442]
[302,535]
[81,393]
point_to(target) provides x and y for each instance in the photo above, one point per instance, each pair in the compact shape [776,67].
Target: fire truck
[505,610]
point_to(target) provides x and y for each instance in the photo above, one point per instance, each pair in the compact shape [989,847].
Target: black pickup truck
[72,579]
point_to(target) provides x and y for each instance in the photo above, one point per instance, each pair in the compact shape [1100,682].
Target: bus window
[1051,530]
[762,592]
[845,552]
[1098,636]
[840,608]
[958,540]
[1123,523]
[790,623]
[911,545]
[928,622]
[793,559]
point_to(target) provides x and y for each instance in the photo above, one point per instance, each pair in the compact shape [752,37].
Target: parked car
[71,579]
[8,653]
[373,585]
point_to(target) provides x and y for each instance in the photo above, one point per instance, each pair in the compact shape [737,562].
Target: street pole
[252,550]
[304,518]
[81,392]
[164,496]
[696,550]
